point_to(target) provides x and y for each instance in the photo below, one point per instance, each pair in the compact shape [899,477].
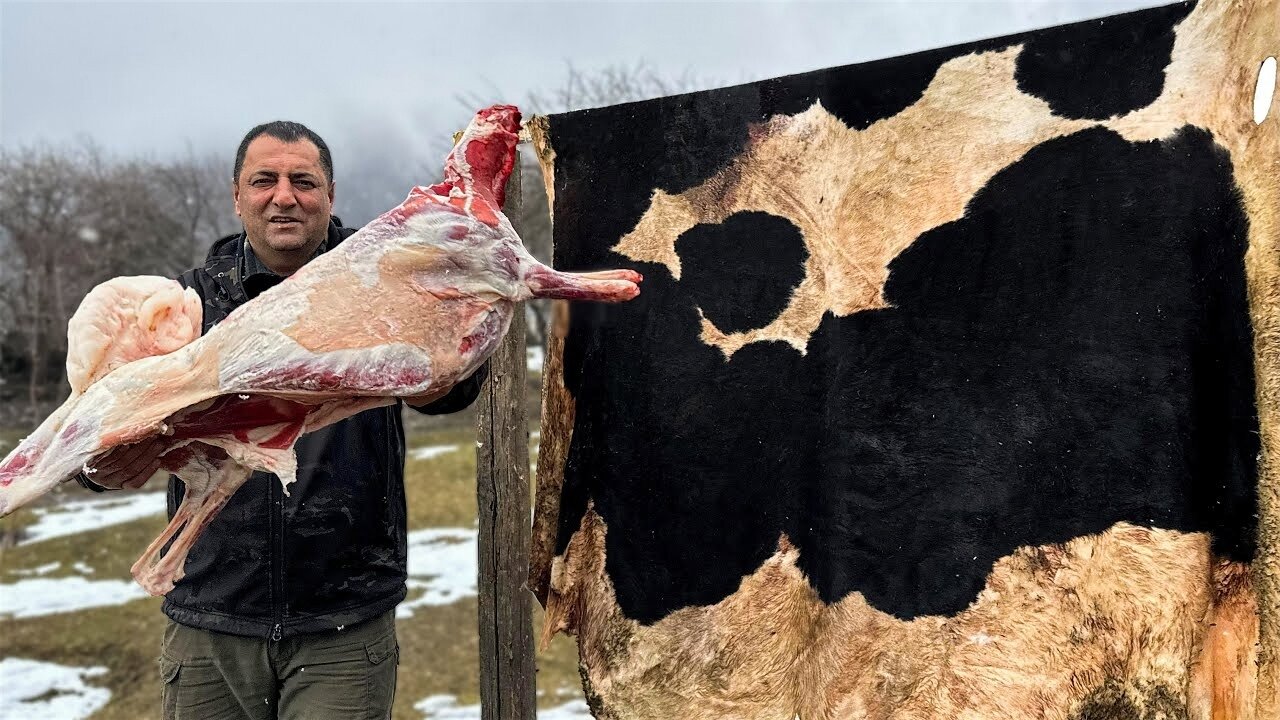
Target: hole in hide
[1265,90]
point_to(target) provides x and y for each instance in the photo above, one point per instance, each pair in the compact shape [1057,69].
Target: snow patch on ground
[80,516]
[442,564]
[62,691]
[49,596]
[534,357]
[432,451]
[446,707]
[40,570]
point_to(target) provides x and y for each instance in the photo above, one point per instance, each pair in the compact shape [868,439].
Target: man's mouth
[280,220]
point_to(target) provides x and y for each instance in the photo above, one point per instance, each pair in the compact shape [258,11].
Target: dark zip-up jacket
[332,553]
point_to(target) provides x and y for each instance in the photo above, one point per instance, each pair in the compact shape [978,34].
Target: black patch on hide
[742,272]
[1101,68]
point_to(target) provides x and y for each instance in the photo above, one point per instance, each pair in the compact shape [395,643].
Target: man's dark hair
[284,131]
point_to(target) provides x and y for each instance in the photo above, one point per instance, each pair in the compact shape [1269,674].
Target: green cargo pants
[342,674]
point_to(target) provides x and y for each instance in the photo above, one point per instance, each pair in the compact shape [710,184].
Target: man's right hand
[127,466]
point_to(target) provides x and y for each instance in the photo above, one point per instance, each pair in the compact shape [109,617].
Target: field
[78,639]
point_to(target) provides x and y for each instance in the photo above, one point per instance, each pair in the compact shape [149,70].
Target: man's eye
[305,184]
[262,182]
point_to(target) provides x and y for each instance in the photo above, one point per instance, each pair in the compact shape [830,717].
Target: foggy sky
[152,77]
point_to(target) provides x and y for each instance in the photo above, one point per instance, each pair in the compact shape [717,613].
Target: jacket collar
[255,276]
[231,262]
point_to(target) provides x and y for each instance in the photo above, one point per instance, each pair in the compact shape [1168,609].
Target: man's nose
[283,196]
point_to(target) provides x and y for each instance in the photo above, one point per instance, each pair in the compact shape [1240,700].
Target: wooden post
[507,682]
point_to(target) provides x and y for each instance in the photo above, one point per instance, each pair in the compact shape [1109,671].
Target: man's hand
[127,466]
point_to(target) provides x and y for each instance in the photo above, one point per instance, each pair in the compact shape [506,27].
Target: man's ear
[331,187]
[235,196]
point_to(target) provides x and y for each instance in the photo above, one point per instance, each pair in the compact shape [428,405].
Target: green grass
[125,639]
[439,645]
[442,490]
[9,439]
[110,551]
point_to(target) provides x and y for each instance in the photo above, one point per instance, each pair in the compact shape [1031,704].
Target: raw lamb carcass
[406,307]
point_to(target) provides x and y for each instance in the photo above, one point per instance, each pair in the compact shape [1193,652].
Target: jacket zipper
[275,513]
[277,556]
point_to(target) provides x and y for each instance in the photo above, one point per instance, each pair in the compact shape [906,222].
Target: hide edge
[557,414]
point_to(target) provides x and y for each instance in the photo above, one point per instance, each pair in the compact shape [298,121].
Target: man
[287,609]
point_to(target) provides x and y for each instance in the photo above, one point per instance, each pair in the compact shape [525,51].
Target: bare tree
[40,208]
[610,86]
[72,218]
[137,228]
[196,191]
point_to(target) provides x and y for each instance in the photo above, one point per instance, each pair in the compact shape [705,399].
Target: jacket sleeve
[460,396]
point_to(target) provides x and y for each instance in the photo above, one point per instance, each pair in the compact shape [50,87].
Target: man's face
[284,199]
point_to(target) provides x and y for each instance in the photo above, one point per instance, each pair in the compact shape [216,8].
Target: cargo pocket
[169,687]
[384,657]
